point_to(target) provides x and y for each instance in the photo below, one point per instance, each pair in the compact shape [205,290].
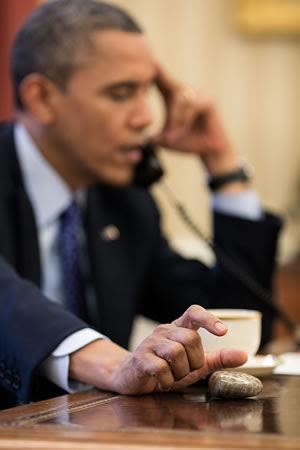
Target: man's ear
[39,96]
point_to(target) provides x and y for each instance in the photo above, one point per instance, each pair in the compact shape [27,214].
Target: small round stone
[230,384]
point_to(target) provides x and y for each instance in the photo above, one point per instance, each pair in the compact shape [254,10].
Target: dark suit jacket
[135,274]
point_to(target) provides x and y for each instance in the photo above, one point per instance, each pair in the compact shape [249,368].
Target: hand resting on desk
[171,358]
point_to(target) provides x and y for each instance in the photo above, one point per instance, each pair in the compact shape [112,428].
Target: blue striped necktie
[69,246]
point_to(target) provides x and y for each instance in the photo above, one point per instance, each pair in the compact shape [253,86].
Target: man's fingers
[165,82]
[226,358]
[196,316]
[191,342]
[158,368]
[179,123]
[175,355]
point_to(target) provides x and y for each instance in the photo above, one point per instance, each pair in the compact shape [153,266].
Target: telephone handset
[149,169]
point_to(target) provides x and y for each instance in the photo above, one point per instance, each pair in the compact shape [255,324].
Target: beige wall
[255,83]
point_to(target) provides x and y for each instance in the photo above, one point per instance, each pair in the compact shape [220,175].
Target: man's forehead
[116,48]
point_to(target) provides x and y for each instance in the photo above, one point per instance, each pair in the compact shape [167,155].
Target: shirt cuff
[56,366]
[244,204]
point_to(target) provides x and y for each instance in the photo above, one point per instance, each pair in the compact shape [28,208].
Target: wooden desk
[97,420]
[287,287]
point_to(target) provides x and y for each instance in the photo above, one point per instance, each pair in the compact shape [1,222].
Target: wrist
[96,363]
[218,163]
[234,180]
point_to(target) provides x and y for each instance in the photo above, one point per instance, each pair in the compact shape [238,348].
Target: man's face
[102,115]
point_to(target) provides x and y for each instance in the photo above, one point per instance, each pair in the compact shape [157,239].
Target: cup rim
[236,313]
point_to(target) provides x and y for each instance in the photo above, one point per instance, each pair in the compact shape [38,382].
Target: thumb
[226,358]
[196,316]
[223,359]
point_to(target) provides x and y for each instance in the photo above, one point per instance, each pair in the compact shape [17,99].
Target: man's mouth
[132,154]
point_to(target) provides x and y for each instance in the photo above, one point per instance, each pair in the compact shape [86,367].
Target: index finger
[165,82]
[196,316]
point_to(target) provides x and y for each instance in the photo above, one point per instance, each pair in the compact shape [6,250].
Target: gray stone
[230,384]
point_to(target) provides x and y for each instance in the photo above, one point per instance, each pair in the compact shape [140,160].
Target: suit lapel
[21,243]
[29,258]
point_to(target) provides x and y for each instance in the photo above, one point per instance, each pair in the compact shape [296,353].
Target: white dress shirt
[48,204]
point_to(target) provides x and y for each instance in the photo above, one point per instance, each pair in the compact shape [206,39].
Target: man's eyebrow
[131,84]
[122,84]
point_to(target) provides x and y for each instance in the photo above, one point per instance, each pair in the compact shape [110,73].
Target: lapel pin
[110,233]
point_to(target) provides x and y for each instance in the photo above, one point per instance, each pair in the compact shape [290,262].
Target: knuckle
[196,307]
[162,368]
[176,351]
[157,367]
[192,339]
[162,328]
[198,365]
[137,363]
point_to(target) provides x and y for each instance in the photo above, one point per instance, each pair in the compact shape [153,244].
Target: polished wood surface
[187,420]
[287,288]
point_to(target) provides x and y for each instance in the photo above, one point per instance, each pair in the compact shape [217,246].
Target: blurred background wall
[255,82]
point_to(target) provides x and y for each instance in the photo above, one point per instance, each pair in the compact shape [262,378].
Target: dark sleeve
[175,282]
[31,327]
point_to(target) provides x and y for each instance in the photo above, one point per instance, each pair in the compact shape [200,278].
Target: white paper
[290,364]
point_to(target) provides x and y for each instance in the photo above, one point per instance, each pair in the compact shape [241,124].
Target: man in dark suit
[75,224]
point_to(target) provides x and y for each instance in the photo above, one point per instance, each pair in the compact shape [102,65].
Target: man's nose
[142,116]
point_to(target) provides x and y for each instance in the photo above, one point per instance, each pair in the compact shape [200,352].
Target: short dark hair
[56,38]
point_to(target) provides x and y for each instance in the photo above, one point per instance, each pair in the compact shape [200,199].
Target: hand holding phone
[193,125]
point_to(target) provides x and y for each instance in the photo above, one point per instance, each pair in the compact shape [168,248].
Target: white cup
[244,331]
